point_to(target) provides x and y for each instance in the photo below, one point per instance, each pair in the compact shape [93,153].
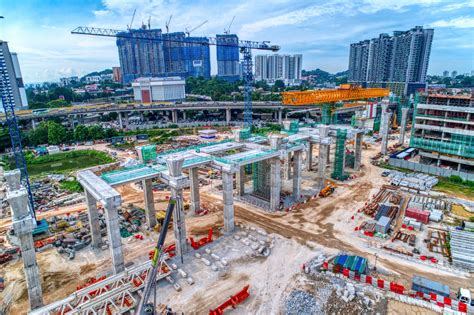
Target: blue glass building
[228,57]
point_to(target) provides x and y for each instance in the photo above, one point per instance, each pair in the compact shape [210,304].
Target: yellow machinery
[328,189]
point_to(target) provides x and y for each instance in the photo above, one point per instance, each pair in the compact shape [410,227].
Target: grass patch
[63,163]
[461,190]
[72,186]
[387,166]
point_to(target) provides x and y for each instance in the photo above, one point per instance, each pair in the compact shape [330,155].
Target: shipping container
[428,286]
[383,224]
[420,215]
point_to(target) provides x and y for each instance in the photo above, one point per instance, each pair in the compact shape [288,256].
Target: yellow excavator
[328,189]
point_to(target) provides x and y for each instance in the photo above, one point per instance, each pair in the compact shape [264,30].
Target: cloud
[374,6]
[457,6]
[460,22]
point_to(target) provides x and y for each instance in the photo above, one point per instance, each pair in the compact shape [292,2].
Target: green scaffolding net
[460,145]
[245,133]
[149,153]
[326,114]
[261,179]
[338,171]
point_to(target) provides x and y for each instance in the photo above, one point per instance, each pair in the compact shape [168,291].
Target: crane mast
[245,46]
[8,103]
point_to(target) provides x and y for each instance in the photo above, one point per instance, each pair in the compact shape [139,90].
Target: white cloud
[460,22]
[373,6]
[457,6]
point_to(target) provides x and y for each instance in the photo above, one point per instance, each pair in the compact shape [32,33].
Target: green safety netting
[191,148]
[338,172]
[149,152]
[129,173]
[459,145]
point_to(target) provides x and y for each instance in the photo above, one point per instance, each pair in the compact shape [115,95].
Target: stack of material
[428,203]
[415,181]
[413,223]
[420,215]
[436,216]
[462,249]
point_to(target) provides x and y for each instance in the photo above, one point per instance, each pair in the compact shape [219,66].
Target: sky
[322,30]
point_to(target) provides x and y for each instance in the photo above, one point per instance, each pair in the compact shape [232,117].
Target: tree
[279,85]
[81,133]
[56,133]
[38,135]
[96,132]
[58,103]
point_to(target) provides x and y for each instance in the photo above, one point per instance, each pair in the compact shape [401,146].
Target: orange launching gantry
[345,92]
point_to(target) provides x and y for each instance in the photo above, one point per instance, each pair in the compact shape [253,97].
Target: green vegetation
[62,162]
[269,128]
[460,81]
[455,185]
[71,186]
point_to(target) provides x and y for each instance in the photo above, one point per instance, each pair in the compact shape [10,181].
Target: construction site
[320,217]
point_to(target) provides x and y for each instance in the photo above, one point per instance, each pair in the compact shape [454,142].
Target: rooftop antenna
[227,31]
[188,31]
[133,17]
[168,24]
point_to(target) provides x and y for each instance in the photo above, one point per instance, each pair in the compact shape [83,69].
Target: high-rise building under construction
[175,55]
[10,61]
[399,62]
[228,57]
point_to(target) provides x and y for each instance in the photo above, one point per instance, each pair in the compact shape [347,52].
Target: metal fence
[429,169]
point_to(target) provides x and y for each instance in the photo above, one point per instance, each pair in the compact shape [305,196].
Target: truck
[428,286]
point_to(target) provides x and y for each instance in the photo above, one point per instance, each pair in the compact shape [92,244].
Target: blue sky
[39,30]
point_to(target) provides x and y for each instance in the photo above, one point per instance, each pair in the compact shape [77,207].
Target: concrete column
[177,182]
[174,116]
[288,166]
[113,235]
[280,116]
[309,156]
[194,185]
[240,181]
[323,157]
[23,225]
[71,121]
[228,199]
[403,125]
[184,115]
[93,215]
[142,116]
[120,120]
[297,175]
[34,124]
[227,115]
[150,214]
[358,151]
[179,224]
[384,129]
[275,184]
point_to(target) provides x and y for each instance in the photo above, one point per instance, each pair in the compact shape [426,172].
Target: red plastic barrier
[440,304]
[380,283]
[447,301]
[345,272]
[420,294]
[325,265]
[433,297]
[357,278]
[233,301]
[462,307]
[368,279]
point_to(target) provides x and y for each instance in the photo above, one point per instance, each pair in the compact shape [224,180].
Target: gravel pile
[301,302]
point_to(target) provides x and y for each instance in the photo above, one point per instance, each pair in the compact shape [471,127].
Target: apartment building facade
[399,62]
[228,56]
[287,68]
[443,131]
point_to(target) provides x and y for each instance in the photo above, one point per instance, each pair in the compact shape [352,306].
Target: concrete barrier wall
[429,169]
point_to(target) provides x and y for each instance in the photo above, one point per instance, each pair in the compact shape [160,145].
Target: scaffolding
[339,160]
[459,145]
[326,114]
[261,179]
[149,153]
[353,120]
[245,133]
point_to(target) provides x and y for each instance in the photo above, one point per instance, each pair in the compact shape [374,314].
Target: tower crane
[8,103]
[188,31]
[245,47]
[227,30]
[167,25]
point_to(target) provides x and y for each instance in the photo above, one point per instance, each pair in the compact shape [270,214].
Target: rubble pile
[301,302]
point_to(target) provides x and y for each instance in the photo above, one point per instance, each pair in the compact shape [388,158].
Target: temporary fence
[438,300]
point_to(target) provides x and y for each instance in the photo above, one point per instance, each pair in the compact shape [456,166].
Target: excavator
[328,189]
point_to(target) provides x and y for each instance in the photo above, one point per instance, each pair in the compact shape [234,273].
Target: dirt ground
[320,224]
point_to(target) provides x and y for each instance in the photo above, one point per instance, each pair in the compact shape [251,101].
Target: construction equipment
[233,301]
[168,24]
[8,103]
[245,47]
[188,31]
[150,283]
[328,189]
[227,30]
[329,98]
[203,241]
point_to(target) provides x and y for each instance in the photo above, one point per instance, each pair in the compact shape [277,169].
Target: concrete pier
[240,181]
[194,187]
[23,224]
[150,213]
[113,235]
[324,145]
[384,130]
[227,115]
[93,214]
[288,166]
[309,156]
[174,116]
[123,120]
[280,116]
[228,200]
[403,125]
[275,174]
[297,175]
